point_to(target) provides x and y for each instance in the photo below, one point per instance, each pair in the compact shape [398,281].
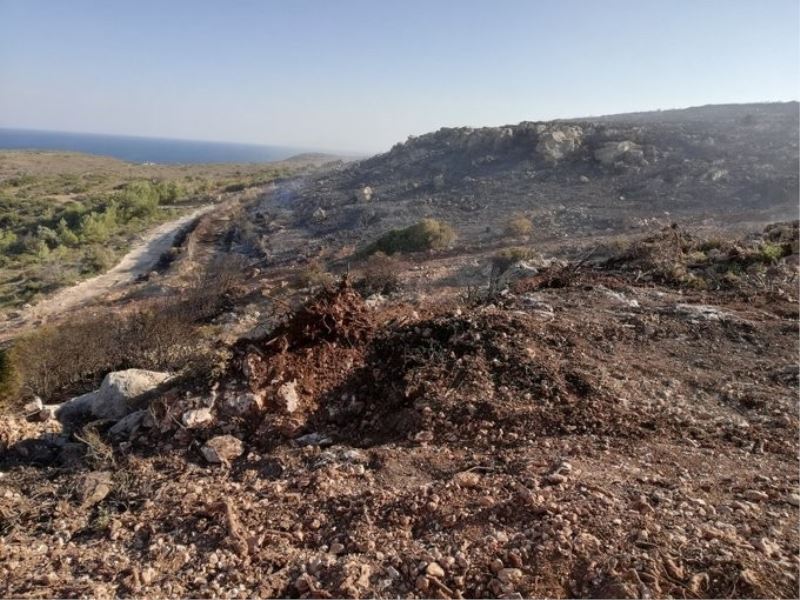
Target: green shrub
[770,252]
[428,234]
[7,239]
[66,236]
[519,226]
[97,259]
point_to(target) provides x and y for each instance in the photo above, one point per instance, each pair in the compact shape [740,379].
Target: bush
[504,259]
[428,234]
[9,379]
[519,226]
[314,275]
[379,274]
[57,361]
[770,252]
[97,259]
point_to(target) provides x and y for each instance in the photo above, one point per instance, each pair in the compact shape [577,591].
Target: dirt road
[140,260]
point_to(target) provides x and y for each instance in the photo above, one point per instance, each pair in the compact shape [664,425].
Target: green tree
[65,235]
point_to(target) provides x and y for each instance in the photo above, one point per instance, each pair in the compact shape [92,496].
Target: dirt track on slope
[140,260]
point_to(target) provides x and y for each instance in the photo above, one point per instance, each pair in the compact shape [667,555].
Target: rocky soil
[594,429]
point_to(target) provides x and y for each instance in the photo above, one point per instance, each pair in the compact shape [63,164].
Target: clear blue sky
[361,75]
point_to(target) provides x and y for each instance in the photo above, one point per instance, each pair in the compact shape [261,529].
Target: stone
[314,439]
[34,407]
[612,152]
[222,449]
[423,436]
[555,478]
[467,479]
[197,417]
[113,400]
[768,547]
[793,499]
[319,214]
[286,398]
[94,487]
[434,570]
[241,404]
[510,575]
[701,312]
[337,548]
[128,425]
[45,414]
[438,182]
[755,495]
[558,142]
[363,194]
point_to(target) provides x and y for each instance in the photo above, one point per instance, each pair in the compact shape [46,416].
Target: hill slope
[732,162]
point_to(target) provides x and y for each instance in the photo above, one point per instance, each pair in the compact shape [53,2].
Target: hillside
[727,164]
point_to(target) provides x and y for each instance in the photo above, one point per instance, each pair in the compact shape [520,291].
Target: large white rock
[554,144]
[113,399]
[611,152]
[363,194]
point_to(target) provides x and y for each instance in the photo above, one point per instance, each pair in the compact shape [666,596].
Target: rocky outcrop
[612,152]
[113,400]
[363,194]
[555,143]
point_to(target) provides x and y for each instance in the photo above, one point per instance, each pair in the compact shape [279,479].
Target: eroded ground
[585,433]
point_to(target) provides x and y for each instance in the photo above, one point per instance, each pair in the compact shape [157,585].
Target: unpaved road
[140,260]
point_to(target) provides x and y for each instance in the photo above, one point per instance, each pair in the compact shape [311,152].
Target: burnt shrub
[378,274]
[60,360]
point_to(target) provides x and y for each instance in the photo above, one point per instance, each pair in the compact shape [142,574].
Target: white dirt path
[141,259]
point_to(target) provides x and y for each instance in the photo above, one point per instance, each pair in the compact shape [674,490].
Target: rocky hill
[732,162]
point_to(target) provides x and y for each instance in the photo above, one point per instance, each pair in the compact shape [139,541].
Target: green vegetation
[428,234]
[519,226]
[66,216]
[771,252]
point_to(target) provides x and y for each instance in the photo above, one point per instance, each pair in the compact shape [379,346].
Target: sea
[144,150]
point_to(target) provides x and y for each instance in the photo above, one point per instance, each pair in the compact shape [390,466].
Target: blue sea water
[140,149]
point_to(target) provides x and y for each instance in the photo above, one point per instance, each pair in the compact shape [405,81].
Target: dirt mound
[454,375]
[310,354]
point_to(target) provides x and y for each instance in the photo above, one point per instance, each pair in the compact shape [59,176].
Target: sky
[361,75]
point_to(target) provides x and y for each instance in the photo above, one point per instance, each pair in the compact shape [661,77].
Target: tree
[65,235]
